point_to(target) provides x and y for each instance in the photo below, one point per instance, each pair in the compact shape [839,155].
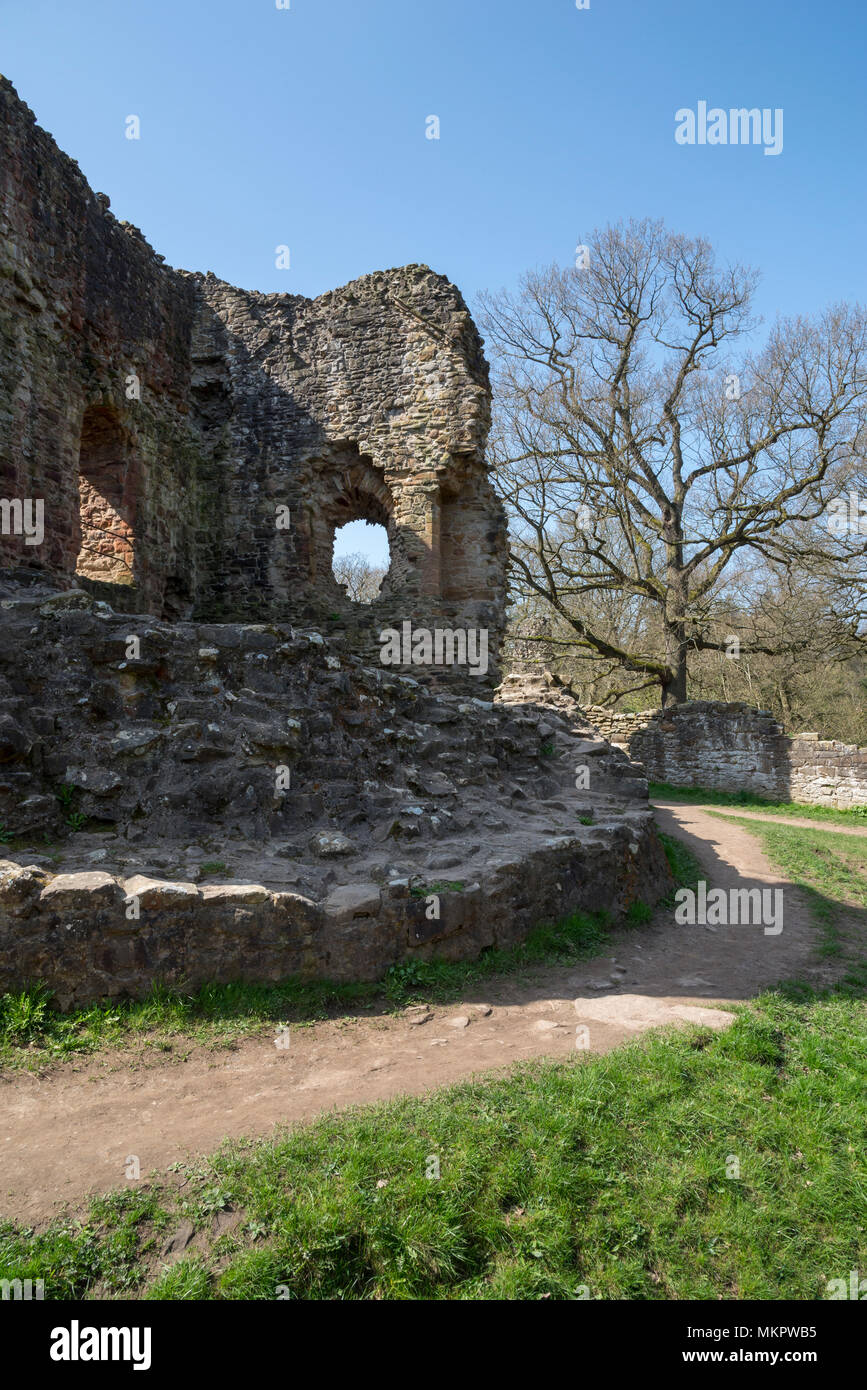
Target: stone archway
[352,488]
[107,490]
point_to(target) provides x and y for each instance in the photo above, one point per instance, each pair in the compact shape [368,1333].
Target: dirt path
[798,821]
[69,1131]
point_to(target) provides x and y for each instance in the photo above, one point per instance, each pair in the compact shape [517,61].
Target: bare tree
[638,458]
[358,576]
[803,657]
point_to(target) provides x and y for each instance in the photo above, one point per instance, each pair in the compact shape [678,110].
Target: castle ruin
[206,772]
[197,445]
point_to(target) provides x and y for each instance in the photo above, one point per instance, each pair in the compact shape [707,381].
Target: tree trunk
[785,707]
[674,615]
[674,688]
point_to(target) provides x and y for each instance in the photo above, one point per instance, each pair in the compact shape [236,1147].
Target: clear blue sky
[306,127]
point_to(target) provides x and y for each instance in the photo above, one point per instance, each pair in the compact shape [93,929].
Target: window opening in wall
[106,501]
[361,559]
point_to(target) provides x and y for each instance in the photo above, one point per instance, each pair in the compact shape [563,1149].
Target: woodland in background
[358,577]
[821,688]
[687,507]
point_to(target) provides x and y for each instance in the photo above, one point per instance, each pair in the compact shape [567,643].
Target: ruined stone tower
[195,446]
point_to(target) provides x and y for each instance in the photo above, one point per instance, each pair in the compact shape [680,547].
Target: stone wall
[369,403]
[733,747]
[74,933]
[195,446]
[269,805]
[826,772]
[85,304]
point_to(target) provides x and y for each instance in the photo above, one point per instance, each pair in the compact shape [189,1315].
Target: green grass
[423,890]
[602,1177]
[664,791]
[214,866]
[33,1032]
[830,868]
[683,865]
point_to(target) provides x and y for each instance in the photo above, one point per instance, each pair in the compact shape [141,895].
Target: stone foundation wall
[825,772]
[185,802]
[733,747]
[72,933]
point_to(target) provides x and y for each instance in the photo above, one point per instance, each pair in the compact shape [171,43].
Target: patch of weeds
[5,835]
[423,890]
[33,1030]
[575,937]
[212,1200]
[547,750]
[214,866]
[685,867]
[402,978]
[68,798]
[23,1016]
[30,1024]
[637,914]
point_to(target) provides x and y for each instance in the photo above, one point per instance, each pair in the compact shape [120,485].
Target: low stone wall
[734,747]
[825,772]
[91,935]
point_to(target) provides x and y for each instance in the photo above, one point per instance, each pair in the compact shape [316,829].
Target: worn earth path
[800,822]
[67,1131]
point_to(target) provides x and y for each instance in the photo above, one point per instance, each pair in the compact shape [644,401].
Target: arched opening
[362,557]
[353,520]
[107,497]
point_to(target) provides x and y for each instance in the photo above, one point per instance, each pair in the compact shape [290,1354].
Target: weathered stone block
[161,894]
[91,892]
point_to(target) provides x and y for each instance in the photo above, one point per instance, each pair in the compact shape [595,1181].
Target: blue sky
[306,127]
